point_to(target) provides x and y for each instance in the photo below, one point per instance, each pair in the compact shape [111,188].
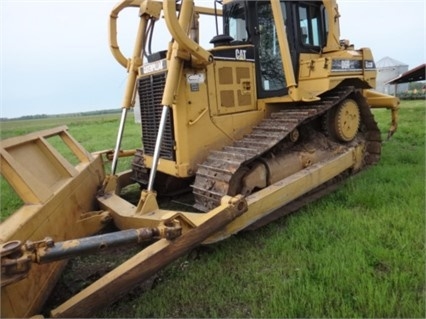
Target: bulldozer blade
[55,199]
[140,267]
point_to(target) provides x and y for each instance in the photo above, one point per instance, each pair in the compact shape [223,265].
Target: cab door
[269,67]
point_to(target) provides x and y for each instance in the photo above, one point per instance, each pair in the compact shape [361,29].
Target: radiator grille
[150,90]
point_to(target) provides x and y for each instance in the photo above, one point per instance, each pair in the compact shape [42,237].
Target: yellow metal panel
[235,87]
[31,192]
[225,75]
[17,140]
[227,98]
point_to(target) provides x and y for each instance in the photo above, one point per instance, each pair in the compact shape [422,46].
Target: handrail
[169,9]
[179,35]
[113,43]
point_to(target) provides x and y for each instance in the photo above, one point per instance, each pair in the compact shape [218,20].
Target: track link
[214,176]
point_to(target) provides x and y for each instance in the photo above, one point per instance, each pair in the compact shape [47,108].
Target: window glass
[271,68]
[235,24]
[309,24]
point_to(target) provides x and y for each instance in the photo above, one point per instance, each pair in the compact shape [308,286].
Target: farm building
[387,70]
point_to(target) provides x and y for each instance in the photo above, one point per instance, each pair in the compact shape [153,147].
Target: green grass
[359,252]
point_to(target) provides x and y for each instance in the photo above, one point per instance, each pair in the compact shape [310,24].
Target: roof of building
[413,75]
[387,62]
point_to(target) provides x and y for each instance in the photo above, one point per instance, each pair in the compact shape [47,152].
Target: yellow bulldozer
[275,114]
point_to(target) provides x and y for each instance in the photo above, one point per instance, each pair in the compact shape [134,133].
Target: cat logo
[240,54]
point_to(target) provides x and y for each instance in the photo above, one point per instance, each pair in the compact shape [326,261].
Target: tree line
[44,116]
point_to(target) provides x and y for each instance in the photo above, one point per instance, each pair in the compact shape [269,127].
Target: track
[222,170]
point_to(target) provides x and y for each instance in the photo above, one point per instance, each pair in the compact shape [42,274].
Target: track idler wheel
[342,122]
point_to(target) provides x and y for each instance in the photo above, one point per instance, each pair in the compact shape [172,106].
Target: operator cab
[252,22]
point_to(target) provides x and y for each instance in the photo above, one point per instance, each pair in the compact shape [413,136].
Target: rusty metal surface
[216,175]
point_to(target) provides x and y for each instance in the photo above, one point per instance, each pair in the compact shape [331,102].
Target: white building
[388,69]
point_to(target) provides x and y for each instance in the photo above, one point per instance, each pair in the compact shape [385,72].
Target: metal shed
[387,70]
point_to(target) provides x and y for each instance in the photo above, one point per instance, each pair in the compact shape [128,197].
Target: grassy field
[359,252]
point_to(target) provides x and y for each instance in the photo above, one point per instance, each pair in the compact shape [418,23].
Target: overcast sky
[55,56]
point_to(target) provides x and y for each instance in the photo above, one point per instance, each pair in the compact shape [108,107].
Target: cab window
[235,21]
[311,25]
[271,67]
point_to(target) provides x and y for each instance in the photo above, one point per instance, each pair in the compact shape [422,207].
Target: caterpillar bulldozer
[274,115]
